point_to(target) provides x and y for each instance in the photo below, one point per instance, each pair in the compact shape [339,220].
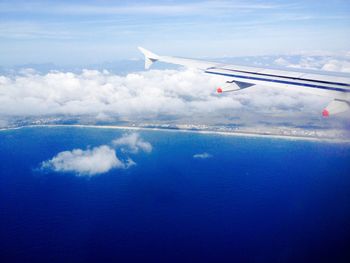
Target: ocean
[193,198]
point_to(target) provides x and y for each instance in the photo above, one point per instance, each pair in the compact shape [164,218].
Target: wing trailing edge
[231,86]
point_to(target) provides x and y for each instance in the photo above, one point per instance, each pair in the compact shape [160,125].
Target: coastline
[209,132]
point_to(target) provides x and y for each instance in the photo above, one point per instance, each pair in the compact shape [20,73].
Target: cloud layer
[156,94]
[97,160]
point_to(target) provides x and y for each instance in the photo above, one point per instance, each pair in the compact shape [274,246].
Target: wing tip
[150,57]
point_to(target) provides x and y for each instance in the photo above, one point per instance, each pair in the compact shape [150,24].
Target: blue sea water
[254,200]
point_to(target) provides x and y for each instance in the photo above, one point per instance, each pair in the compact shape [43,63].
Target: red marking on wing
[325,113]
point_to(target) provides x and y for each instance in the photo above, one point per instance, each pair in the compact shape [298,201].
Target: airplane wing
[241,77]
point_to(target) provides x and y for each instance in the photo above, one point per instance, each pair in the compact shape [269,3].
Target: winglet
[149,57]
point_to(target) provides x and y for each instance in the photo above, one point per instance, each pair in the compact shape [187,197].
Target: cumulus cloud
[148,95]
[337,65]
[133,143]
[97,160]
[325,63]
[85,162]
[94,92]
[204,155]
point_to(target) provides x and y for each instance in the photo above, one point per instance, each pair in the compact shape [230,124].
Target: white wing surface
[240,77]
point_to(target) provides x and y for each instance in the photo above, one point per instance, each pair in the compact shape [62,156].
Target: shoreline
[223,133]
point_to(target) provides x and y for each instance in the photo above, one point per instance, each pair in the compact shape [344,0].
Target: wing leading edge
[240,77]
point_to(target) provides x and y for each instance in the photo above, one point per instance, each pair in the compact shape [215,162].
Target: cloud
[180,9]
[204,155]
[133,143]
[85,162]
[152,95]
[138,94]
[97,160]
[337,65]
[325,63]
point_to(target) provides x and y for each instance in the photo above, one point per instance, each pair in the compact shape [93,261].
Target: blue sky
[86,32]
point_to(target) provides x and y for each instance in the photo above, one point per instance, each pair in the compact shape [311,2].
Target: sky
[87,32]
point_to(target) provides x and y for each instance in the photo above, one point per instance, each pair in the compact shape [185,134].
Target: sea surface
[246,200]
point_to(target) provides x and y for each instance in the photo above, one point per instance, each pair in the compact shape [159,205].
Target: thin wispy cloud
[120,8]
[67,32]
[34,30]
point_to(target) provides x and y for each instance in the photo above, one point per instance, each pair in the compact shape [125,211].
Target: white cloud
[97,160]
[85,162]
[337,65]
[281,61]
[92,92]
[204,155]
[145,95]
[326,63]
[133,143]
